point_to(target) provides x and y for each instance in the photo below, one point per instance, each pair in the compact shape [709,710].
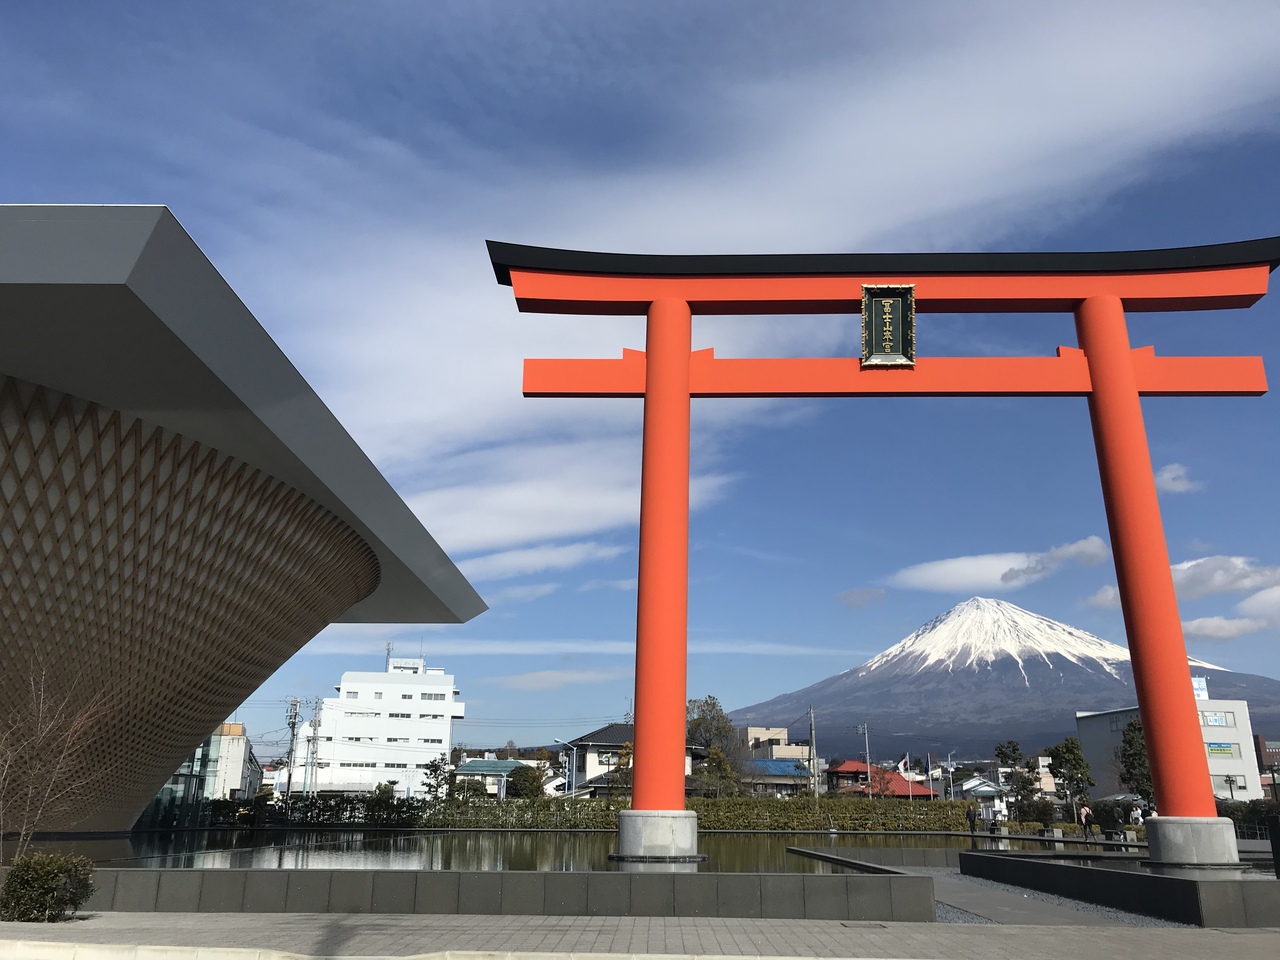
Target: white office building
[381,727]
[234,773]
[1224,728]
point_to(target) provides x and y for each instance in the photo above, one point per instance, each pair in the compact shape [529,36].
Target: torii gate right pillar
[1187,829]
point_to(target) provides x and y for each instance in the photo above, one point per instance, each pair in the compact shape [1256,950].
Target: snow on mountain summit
[978,632]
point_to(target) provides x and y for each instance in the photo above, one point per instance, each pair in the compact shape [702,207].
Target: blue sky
[342,165]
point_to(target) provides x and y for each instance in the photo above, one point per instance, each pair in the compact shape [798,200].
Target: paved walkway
[398,936]
[1025,927]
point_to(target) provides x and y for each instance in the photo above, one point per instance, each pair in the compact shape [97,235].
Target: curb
[42,950]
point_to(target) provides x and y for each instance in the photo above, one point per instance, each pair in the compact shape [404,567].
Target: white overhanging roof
[117,305]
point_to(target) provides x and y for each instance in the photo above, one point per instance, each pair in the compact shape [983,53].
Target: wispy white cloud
[1209,576]
[996,572]
[1107,598]
[767,649]
[458,646]
[522,594]
[519,563]
[554,679]
[379,215]
[626,583]
[339,639]
[1173,478]
[1265,605]
[860,598]
[1221,628]
[1221,574]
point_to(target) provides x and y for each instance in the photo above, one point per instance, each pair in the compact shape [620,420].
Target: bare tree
[46,768]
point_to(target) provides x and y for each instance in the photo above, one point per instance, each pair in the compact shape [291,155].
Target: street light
[573,769]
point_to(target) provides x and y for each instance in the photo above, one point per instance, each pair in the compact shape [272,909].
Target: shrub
[43,887]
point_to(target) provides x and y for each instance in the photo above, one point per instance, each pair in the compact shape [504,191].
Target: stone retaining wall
[768,895]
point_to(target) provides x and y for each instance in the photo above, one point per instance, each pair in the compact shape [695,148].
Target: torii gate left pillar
[1097,288]
[657,825]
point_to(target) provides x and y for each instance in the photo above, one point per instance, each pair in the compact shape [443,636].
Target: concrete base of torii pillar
[1192,841]
[658,841]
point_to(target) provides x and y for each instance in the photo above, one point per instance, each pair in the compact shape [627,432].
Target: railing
[1252,831]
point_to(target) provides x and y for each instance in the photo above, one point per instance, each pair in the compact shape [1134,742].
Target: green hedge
[1251,812]
[835,813]
[543,813]
[714,813]
[45,887]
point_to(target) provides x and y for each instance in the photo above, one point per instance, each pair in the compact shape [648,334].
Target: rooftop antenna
[389,646]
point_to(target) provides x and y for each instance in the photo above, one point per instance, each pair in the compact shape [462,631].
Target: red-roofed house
[849,777]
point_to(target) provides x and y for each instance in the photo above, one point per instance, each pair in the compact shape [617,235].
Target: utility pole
[291,717]
[318,705]
[866,740]
[813,757]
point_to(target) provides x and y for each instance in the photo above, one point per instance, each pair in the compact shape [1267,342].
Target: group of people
[1088,822]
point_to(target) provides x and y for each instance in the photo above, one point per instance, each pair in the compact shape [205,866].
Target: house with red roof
[849,777]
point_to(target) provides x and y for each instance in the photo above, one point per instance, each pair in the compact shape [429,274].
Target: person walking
[1087,821]
[972,816]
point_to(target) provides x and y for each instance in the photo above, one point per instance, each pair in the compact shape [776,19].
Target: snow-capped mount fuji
[979,633]
[985,671]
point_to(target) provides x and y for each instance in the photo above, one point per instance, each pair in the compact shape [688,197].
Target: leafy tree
[715,776]
[709,726]
[1135,770]
[1071,772]
[512,750]
[468,788]
[524,783]
[437,780]
[1009,754]
[622,773]
[1020,780]
[1024,793]
[380,807]
[1037,810]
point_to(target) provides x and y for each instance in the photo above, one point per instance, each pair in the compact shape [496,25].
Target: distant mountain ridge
[985,671]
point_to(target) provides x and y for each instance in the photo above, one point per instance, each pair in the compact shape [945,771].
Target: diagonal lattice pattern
[153,577]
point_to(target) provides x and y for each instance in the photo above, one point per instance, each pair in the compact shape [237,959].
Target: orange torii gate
[888,289]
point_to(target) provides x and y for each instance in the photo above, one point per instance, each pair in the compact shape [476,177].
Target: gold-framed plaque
[888,325]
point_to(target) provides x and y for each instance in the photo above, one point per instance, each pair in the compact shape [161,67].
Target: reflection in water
[477,850]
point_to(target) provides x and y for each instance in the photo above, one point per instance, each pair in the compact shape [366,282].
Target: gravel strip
[946,913]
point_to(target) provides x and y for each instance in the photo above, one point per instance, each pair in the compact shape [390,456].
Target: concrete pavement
[349,935]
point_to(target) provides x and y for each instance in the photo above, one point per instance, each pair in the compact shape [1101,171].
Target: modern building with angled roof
[179,511]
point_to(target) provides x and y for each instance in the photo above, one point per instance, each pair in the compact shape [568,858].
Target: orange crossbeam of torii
[1097,287]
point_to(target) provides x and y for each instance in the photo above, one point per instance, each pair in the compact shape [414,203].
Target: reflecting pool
[479,849]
